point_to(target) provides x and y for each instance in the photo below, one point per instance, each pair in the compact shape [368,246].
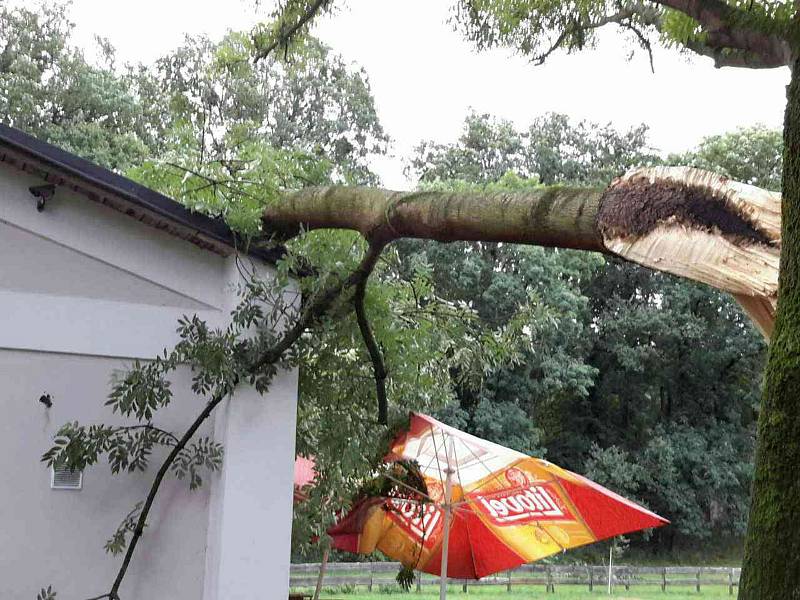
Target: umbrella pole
[448,511]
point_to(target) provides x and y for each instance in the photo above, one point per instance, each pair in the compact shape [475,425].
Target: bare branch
[375,355]
[645,43]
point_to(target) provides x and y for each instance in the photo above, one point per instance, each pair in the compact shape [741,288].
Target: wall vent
[64,478]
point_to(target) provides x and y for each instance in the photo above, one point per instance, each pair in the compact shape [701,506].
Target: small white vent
[64,478]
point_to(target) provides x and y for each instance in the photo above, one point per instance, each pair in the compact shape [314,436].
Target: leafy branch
[293,17]
[219,360]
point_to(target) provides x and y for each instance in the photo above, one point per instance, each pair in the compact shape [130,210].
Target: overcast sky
[425,78]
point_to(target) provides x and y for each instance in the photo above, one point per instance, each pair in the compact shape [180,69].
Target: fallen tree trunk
[680,220]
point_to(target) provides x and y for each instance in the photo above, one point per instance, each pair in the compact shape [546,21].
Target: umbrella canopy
[501,507]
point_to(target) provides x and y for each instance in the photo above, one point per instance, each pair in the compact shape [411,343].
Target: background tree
[213,96]
[49,88]
[551,150]
[750,154]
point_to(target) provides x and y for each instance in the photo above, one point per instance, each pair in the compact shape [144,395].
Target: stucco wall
[84,290]
[56,536]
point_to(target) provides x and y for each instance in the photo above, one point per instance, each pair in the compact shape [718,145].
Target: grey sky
[425,78]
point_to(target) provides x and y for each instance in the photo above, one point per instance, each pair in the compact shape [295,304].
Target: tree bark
[553,216]
[322,566]
[772,550]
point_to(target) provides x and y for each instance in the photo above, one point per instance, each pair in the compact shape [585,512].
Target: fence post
[730,582]
[664,579]
[508,585]
[419,581]
[550,586]
[591,578]
[371,569]
[699,570]
[464,586]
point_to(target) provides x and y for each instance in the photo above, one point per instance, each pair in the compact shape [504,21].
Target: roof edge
[129,191]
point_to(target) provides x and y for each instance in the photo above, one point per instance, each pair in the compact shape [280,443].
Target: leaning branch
[375,355]
[156,485]
[319,304]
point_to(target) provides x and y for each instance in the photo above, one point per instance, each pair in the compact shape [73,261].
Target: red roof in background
[304,475]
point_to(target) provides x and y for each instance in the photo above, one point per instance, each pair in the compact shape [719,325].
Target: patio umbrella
[486,508]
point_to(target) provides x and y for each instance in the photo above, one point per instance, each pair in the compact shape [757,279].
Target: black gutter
[128,190]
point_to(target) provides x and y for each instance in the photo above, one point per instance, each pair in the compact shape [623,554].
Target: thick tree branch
[680,220]
[723,57]
[726,27]
[555,216]
[375,355]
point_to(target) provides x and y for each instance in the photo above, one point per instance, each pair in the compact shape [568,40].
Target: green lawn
[570,592]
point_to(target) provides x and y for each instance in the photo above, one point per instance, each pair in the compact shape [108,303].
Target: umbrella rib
[436,452]
[430,462]
[405,485]
[446,451]
[458,474]
[495,475]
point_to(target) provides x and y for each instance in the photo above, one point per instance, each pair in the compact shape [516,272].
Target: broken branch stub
[701,226]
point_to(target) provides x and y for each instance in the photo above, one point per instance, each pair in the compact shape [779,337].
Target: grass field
[565,592]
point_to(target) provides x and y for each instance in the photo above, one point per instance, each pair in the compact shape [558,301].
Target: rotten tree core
[635,207]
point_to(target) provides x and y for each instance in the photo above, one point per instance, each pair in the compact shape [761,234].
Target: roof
[62,168]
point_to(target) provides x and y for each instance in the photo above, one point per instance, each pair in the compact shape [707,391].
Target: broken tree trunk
[679,220]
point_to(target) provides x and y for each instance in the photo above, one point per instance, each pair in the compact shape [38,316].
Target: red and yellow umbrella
[488,508]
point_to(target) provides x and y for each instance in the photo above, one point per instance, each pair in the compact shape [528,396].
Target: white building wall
[84,290]
[56,536]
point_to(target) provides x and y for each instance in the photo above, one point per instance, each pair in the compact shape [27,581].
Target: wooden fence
[378,574]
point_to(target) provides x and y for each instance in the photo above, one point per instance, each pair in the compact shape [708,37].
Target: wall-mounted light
[43,193]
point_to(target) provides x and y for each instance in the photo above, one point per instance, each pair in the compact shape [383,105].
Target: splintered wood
[690,246]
